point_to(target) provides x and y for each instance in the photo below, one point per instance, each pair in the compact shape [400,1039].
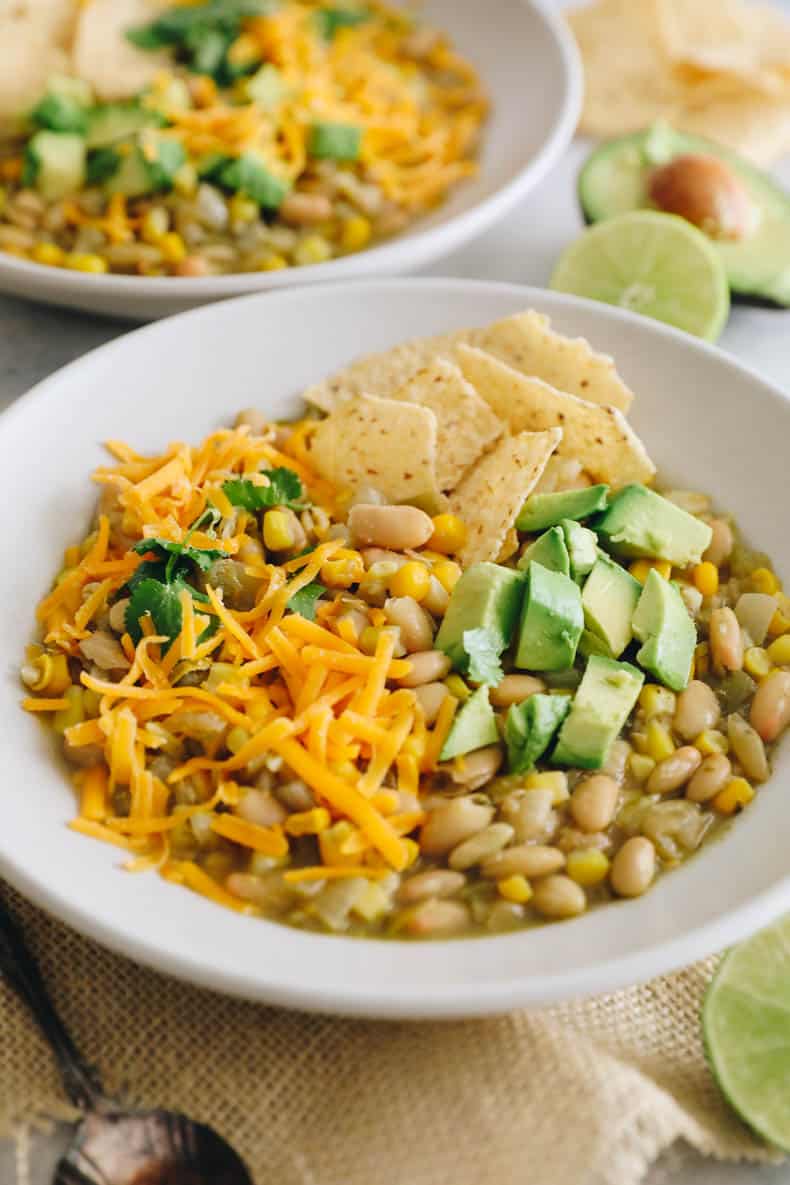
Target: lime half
[651,263]
[746,1027]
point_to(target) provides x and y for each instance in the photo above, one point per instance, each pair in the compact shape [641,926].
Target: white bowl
[528,61]
[708,423]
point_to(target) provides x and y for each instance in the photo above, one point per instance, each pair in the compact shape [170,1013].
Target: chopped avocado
[550,551]
[615,179]
[266,87]
[474,727]
[590,643]
[609,598]
[530,727]
[75,89]
[551,621]
[59,113]
[144,168]
[248,175]
[582,545]
[662,622]
[164,158]
[55,164]
[640,522]
[545,510]
[102,164]
[487,597]
[601,706]
[112,122]
[335,141]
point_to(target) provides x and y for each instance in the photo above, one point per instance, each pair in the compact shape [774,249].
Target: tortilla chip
[466,425]
[562,473]
[756,127]
[524,341]
[491,495]
[598,436]
[382,443]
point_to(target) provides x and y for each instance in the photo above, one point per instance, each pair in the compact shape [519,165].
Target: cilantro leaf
[161,602]
[304,601]
[482,651]
[284,489]
[165,549]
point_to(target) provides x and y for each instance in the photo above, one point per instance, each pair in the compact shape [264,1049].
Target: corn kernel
[779,651]
[312,249]
[344,569]
[554,780]
[456,686]
[155,224]
[515,888]
[641,766]
[779,624]
[274,263]
[92,264]
[173,247]
[757,663]
[186,180]
[48,253]
[356,233]
[341,844]
[712,741]
[278,534]
[412,851]
[90,703]
[706,578]
[657,701]
[587,866]
[244,51]
[73,714]
[311,822]
[449,534]
[411,580]
[659,742]
[701,659]
[243,210]
[237,738]
[368,639]
[763,580]
[640,569]
[447,573]
[734,797]
[50,673]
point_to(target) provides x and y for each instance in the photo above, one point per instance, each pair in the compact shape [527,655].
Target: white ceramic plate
[708,423]
[528,60]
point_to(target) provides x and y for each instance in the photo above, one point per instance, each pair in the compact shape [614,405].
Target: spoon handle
[23,974]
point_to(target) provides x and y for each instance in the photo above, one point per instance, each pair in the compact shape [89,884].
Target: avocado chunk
[551,622]
[550,551]
[530,728]
[54,163]
[590,643]
[473,728]
[609,598]
[248,174]
[601,706]
[616,177]
[266,87]
[662,623]
[546,510]
[639,522]
[141,169]
[487,597]
[110,123]
[59,113]
[582,545]
[335,141]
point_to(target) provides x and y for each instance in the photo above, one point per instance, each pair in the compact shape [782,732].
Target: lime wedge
[651,263]
[746,1028]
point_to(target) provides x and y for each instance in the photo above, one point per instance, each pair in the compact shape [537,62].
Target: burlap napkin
[588,1093]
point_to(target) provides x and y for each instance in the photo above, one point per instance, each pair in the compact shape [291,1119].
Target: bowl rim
[447,998]
[420,246]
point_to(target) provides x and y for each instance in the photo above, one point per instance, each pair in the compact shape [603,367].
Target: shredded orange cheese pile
[293,691]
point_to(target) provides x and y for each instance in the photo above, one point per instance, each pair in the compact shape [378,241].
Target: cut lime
[651,263]
[746,1027]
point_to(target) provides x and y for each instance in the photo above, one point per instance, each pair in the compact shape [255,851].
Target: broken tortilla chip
[382,443]
[491,495]
[524,341]
[465,423]
[597,436]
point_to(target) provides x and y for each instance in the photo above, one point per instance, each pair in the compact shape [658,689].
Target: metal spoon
[111,1145]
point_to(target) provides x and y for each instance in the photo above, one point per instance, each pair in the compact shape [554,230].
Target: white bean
[531,860]
[697,709]
[529,813]
[721,542]
[261,807]
[633,867]
[712,776]
[674,771]
[594,802]
[452,823]
[747,745]
[514,689]
[395,528]
[430,697]
[427,666]
[770,711]
[726,640]
[476,768]
[415,625]
[480,847]
[559,897]
[437,917]
[436,882]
